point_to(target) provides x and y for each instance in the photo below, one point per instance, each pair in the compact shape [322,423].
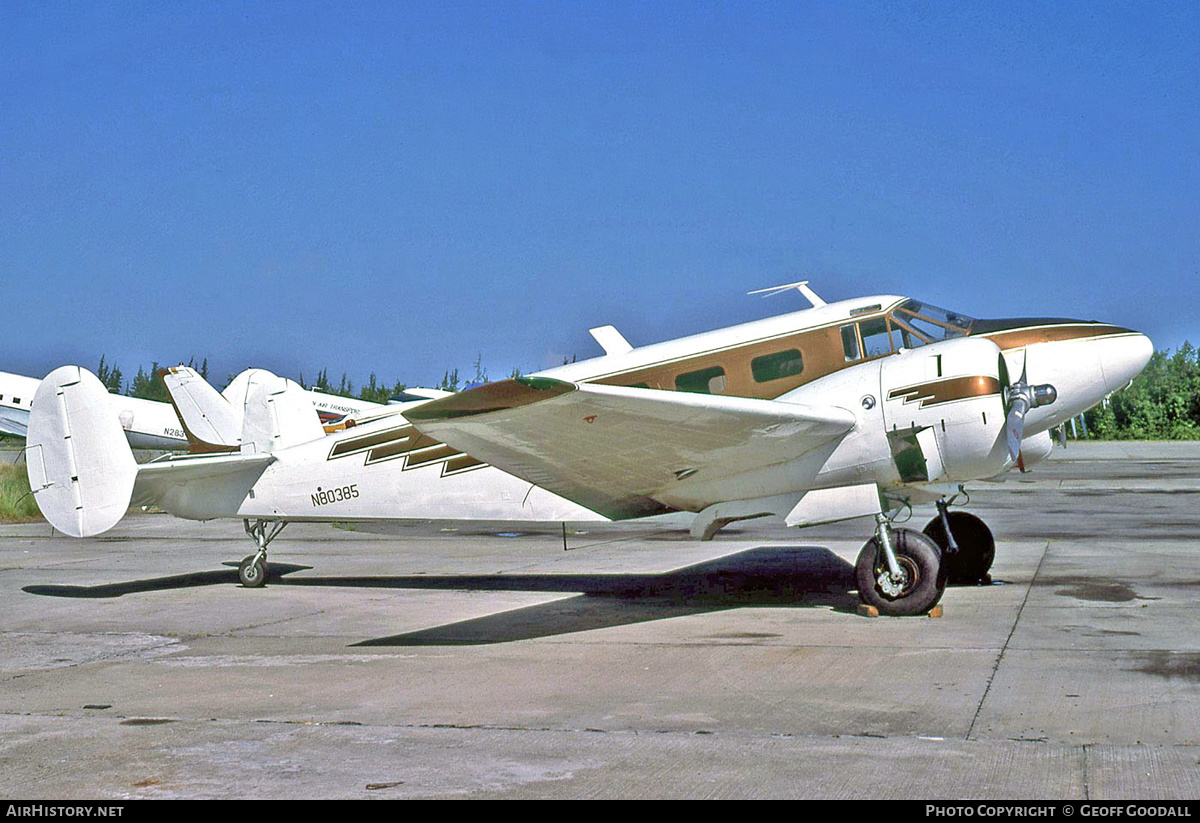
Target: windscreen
[920,323]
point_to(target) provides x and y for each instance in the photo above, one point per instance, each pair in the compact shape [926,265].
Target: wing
[623,451]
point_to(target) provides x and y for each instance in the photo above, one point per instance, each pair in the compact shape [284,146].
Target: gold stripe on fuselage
[947,391]
[1009,339]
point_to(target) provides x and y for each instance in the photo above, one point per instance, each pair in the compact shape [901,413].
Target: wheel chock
[870,611]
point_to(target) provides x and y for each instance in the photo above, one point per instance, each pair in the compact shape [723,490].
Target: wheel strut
[943,506]
[885,544]
[967,544]
[253,570]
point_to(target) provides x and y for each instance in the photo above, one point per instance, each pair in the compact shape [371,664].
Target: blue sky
[399,187]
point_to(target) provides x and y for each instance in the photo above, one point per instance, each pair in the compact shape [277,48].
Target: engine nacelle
[1036,448]
[944,413]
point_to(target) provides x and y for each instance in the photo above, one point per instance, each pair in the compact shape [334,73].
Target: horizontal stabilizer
[197,486]
[623,452]
[80,467]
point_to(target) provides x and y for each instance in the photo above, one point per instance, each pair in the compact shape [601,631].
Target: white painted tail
[277,413]
[80,467]
[211,422]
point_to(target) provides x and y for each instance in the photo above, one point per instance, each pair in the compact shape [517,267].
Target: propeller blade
[1019,398]
[1014,424]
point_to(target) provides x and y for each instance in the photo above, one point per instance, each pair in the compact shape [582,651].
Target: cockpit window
[870,338]
[920,323]
[875,337]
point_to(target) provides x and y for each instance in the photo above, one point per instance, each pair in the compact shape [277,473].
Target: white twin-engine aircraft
[843,410]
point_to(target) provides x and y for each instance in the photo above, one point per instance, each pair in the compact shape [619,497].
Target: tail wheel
[916,589]
[976,546]
[253,572]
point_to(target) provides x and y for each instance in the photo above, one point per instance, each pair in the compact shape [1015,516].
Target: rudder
[80,467]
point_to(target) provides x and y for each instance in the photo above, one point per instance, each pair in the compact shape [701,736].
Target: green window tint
[704,381]
[850,342]
[777,366]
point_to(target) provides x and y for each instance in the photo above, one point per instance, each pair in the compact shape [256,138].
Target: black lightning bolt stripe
[405,442]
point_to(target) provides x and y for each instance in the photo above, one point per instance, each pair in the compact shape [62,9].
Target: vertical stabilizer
[80,467]
[211,422]
[278,413]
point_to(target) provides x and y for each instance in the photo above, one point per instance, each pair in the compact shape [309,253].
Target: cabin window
[17,401]
[850,342]
[704,381]
[777,366]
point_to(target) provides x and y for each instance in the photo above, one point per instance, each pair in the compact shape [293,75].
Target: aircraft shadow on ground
[775,576]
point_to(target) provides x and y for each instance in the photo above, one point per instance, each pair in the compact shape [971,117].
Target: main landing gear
[905,572]
[254,571]
[968,547]
[899,571]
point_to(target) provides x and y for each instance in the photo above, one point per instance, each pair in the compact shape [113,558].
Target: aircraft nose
[1123,359]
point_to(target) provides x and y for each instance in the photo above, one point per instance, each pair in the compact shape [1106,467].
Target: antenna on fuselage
[801,287]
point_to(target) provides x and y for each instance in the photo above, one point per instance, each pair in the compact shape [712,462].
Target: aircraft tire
[976,547]
[923,583]
[253,574]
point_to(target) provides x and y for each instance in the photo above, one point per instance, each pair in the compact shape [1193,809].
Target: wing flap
[617,450]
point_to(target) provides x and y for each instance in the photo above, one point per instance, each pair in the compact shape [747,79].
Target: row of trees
[148,385]
[1163,403]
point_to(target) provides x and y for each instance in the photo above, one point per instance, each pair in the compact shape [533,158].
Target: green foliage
[1162,403]
[375,392]
[110,376]
[16,503]
[148,386]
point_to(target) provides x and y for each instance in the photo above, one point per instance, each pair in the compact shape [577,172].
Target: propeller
[1019,398]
